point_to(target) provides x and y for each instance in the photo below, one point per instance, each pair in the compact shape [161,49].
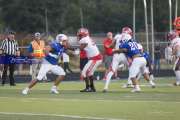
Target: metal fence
[160,39]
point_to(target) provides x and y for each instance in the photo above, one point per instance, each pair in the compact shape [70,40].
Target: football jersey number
[133,45]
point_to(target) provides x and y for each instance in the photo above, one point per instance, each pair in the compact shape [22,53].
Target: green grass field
[161,103]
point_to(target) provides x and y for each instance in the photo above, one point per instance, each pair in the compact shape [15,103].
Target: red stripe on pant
[91,67]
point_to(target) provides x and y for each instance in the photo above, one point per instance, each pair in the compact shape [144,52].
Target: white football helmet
[127,30]
[61,37]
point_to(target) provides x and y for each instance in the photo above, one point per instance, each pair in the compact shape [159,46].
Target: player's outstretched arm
[120,50]
[82,46]
[47,49]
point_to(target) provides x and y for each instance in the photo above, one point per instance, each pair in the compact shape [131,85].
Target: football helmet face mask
[82,32]
[127,30]
[61,37]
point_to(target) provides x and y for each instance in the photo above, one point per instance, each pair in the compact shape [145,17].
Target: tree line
[67,16]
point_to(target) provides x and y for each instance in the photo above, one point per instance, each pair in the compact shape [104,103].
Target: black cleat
[12,84]
[92,90]
[85,90]
[175,84]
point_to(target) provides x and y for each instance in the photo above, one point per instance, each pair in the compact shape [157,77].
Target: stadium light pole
[46,21]
[152,30]
[170,15]
[146,25]
[134,18]
[81,15]
[176,8]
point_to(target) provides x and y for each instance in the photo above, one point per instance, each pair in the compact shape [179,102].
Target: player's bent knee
[39,79]
[83,74]
[62,73]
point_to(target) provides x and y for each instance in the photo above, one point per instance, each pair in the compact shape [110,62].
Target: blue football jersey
[57,50]
[132,48]
[147,57]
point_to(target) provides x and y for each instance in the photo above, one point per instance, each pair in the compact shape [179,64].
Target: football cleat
[25,91]
[92,90]
[176,84]
[135,90]
[153,85]
[86,90]
[54,91]
[127,86]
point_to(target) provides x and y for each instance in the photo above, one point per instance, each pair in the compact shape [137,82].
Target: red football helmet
[177,25]
[172,34]
[127,30]
[82,32]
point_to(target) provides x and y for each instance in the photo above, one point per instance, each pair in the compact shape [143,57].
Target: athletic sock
[137,87]
[177,77]
[129,82]
[151,77]
[27,89]
[151,82]
[91,79]
[54,87]
[108,78]
[86,82]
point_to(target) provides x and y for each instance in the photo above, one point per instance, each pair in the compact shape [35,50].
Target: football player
[94,59]
[175,44]
[50,63]
[118,58]
[138,65]
[149,69]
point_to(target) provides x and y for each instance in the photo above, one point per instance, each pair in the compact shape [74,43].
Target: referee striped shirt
[9,47]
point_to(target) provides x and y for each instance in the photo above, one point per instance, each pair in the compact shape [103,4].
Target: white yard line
[142,85]
[58,115]
[32,99]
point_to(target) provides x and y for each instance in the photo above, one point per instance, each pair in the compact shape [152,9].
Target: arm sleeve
[2,47]
[106,45]
[17,46]
[30,49]
[124,45]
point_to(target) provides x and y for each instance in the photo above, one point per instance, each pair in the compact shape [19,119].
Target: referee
[9,49]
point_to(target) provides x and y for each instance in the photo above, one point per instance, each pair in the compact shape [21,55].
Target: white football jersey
[91,48]
[140,47]
[120,38]
[175,42]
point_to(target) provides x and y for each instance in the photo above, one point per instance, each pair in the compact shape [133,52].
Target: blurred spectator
[157,57]
[65,58]
[168,54]
[36,50]
[9,48]
[107,50]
